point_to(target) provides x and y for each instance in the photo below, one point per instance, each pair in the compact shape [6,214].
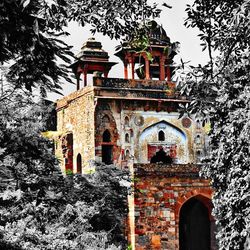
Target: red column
[147,73]
[162,68]
[125,70]
[85,71]
[168,73]
[85,78]
[133,67]
[106,72]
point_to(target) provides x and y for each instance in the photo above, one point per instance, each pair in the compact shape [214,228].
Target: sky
[172,21]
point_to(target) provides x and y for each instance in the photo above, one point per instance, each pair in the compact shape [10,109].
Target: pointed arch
[161,136]
[126,121]
[163,122]
[105,119]
[204,195]
[79,163]
[127,155]
[194,225]
[127,139]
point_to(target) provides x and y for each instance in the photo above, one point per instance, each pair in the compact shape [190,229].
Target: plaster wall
[143,129]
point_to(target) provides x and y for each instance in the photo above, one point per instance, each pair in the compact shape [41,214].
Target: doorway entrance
[194,226]
[107,154]
[161,156]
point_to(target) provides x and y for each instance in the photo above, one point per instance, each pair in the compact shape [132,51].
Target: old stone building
[135,124]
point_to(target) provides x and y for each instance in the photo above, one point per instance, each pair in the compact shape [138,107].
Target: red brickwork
[160,192]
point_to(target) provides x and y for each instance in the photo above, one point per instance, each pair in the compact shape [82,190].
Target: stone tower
[135,124]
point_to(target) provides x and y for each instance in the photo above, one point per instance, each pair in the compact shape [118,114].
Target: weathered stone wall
[75,114]
[107,117]
[160,192]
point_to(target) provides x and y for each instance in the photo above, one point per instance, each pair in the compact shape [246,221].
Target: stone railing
[129,83]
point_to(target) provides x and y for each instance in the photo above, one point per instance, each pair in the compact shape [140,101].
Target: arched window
[127,155]
[126,121]
[198,123]
[161,136]
[79,163]
[127,138]
[105,119]
[106,137]
[198,139]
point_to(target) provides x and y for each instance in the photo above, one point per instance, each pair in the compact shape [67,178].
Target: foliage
[25,155]
[220,93]
[39,208]
[32,33]
[79,212]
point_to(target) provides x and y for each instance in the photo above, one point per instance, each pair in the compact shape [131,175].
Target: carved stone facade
[135,124]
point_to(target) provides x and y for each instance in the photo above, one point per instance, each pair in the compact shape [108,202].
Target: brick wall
[160,192]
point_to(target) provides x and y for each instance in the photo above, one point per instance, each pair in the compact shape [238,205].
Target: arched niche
[127,155]
[198,139]
[174,143]
[79,163]
[67,150]
[127,139]
[161,136]
[126,121]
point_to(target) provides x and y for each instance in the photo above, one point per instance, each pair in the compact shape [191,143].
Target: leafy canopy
[32,34]
[221,94]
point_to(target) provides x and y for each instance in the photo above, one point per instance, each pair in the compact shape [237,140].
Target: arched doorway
[79,163]
[107,149]
[194,226]
[67,150]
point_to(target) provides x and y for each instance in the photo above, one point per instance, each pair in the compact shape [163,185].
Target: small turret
[92,58]
[155,60]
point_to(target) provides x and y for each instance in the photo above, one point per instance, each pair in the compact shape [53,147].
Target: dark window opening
[107,151]
[79,163]
[127,138]
[106,137]
[161,156]
[161,136]
[194,226]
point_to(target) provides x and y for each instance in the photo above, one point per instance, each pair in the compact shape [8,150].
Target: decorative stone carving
[139,120]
